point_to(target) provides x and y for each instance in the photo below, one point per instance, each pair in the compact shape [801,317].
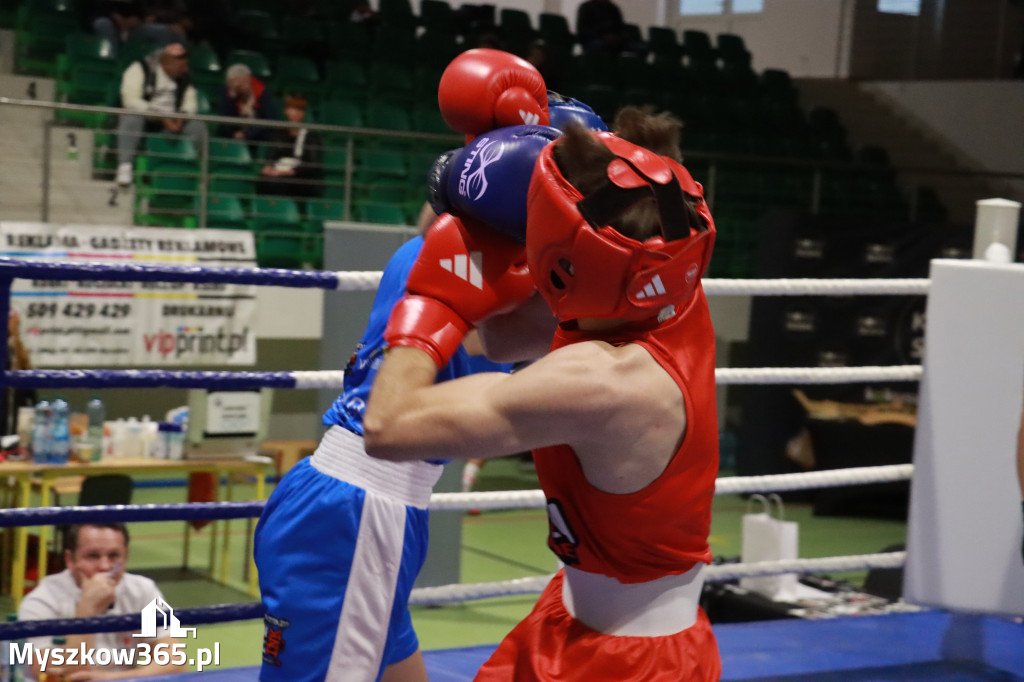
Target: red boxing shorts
[549,645]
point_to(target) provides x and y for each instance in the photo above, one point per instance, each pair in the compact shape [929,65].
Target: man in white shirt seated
[94,584]
[157,83]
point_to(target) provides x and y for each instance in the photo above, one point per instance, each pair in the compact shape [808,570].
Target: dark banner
[830,331]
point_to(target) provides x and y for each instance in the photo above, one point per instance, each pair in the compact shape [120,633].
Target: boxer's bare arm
[615,406]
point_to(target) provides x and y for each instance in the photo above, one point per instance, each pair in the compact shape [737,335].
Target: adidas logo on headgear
[467,268]
[652,288]
[529,118]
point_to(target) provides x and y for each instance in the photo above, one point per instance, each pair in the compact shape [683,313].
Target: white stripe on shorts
[370,593]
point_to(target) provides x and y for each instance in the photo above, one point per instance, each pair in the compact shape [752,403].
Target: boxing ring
[930,644]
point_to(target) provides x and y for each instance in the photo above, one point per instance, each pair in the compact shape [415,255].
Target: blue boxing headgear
[564,110]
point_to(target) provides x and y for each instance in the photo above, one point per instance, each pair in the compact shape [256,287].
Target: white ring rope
[358,281]
[815,375]
[446,594]
[724,376]
[816,287]
[328,378]
[368,281]
[730,485]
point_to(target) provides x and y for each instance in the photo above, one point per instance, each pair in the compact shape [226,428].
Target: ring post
[995,230]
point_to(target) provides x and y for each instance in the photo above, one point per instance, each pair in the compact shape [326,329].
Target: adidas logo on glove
[467,268]
[529,118]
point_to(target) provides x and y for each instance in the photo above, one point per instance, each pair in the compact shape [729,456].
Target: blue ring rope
[142,378]
[82,626]
[128,272]
[185,511]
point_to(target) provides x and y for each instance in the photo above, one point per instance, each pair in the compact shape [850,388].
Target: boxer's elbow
[382,439]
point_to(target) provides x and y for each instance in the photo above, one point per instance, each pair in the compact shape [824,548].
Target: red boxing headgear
[484,89]
[584,268]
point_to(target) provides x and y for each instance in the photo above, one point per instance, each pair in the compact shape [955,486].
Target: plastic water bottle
[42,428]
[9,670]
[60,437]
[97,413]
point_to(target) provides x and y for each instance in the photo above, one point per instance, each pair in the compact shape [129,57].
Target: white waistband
[653,609]
[341,454]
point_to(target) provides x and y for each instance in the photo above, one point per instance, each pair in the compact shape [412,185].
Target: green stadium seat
[349,40]
[321,210]
[664,43]
[732,49]
[388,214]
[303,35]
[202,58]
[345,75]
[395,44]
[281,250]
[258,28]
[397,13]
[384,193]
[233,184]
[697,47]
[388,116]
[169,147]
[427,119]
[343,113]
[378,162]
[296,73]
[229,155]
[41,38]
[275,214]
[391,82]
[166,194]
[426,79]
[436,47]
[436,14]
[517,29]
[225,212]
[554,30]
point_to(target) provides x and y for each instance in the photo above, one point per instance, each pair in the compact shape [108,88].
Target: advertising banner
[104,323]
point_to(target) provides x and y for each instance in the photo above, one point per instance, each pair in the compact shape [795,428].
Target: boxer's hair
[583,161]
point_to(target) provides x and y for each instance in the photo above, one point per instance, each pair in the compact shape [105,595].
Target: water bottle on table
[60,444]
[97,414]
[42,428]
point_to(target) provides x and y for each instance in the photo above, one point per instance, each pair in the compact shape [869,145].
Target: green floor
[497,545]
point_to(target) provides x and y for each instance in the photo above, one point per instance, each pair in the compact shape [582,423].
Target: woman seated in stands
[294,165]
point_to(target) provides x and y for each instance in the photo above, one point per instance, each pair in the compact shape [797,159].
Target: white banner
[102,323]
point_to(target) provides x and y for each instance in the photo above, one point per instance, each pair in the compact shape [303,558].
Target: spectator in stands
[246,96]
[95,583]
[295,165]
[157,83]
[122,20]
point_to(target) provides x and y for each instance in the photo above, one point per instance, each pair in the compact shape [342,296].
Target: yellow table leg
[20,546]
[261,494]
[227,536]
[44,530]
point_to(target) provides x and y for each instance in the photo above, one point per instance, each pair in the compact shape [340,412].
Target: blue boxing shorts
[338,547]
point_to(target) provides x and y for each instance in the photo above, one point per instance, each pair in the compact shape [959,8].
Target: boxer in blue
[340,528]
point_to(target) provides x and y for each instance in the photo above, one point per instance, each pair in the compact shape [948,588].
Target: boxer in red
[620,414]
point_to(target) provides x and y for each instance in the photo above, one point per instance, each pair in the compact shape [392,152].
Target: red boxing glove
[484,89]
[464,274]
